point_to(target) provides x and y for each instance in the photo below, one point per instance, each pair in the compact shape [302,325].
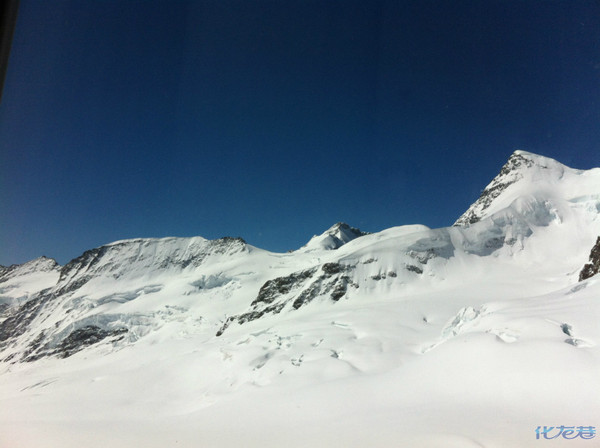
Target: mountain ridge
[340,263]
[513,171]
[176,337]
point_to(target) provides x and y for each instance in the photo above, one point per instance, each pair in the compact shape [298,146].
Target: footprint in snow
[317,343]
[260,362]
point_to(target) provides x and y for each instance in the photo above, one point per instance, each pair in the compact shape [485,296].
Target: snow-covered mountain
[333,238]
[469,335]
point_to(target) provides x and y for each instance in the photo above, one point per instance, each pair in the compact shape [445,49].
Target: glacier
[470,335]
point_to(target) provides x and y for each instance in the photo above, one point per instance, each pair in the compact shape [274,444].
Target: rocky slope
[593,267]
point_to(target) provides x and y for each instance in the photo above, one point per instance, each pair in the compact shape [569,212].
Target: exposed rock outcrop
[298,289]
[593,267]
[83,337]
[18,320]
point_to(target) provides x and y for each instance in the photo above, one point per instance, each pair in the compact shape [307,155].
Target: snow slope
[470,335]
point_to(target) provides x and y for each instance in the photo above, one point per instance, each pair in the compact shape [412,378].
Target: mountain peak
[341,227]
[334,237]
[521,160]
[40,264]
[520,165]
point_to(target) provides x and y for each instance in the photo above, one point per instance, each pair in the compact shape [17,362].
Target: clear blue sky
[272,120]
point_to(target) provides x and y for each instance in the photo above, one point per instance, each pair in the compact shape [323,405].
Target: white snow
[456,337]
[28,279]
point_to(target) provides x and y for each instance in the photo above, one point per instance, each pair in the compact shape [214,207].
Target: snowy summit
[475,334]
[333,238]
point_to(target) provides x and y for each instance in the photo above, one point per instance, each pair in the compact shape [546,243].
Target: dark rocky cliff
[593,267]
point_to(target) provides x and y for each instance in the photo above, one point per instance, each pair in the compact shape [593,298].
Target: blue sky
[273,120]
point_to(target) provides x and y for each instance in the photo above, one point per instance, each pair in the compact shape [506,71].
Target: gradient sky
[272,120]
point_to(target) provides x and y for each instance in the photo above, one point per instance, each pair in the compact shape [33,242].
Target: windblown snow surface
[467,336]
